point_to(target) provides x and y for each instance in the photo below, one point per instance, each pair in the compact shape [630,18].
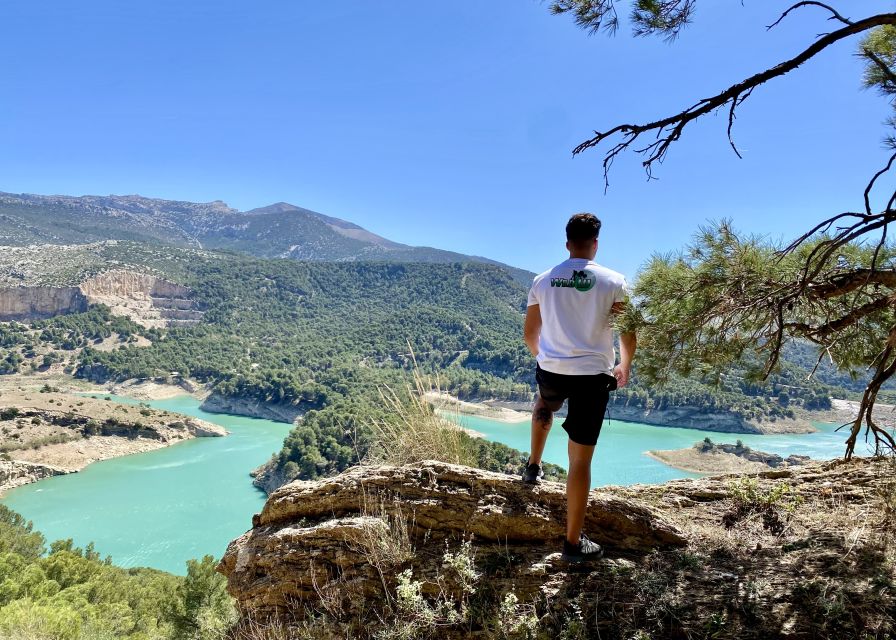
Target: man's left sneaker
[585,550]
[533,473]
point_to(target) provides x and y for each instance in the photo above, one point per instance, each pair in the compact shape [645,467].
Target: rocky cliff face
[440,551]
[310,533]
[124,284]
[36,303]
[278,412]
[267,478]
[14,473]
[146,299]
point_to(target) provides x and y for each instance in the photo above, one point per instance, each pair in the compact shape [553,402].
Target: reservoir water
[620,457]
[163,507]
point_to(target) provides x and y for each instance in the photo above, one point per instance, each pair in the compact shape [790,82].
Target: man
[569,330]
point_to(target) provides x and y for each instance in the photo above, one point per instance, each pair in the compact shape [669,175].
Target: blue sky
[444,124]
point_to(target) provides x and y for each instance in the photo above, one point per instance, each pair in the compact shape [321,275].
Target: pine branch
[668,130]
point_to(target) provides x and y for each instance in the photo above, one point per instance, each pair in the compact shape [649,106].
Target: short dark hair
[582,227]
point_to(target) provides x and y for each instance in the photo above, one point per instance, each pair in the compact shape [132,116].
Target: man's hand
[622,375]
[628,342]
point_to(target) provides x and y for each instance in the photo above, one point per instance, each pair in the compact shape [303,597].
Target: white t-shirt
[575,299]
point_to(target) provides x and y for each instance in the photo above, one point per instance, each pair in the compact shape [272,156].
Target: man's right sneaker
[533,473]
[585,550]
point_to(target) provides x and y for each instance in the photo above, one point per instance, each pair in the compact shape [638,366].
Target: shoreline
[46,433]
[135,388]
[445,402]
[845,412]
[515,412]
[723,458]
[724,463]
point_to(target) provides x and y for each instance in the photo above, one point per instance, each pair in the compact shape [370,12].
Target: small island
[709,457]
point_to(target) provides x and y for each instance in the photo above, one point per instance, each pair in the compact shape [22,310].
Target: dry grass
[415,432]
[394,548]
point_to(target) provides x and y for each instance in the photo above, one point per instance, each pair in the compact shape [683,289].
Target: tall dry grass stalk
[415,431]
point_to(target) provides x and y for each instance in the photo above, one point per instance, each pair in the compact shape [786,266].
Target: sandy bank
[153,390]
[714,463]
[139,389]
[448,404]
[684,417]
[845,411]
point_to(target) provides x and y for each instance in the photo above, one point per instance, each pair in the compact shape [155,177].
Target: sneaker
[585,550]
[533,473]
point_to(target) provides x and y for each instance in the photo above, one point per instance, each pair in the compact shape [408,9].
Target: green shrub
[775,505]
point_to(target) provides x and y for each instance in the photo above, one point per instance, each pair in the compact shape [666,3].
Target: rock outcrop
[37,303]
[309,532]
[268,476]
[769,459]
[440,551]
[146,299]
[14,473]
[278,412]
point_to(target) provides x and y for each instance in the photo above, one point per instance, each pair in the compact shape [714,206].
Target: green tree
[735,297]
[203,609]
[17,535]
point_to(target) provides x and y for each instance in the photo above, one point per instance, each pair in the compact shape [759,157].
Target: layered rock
[14,473]
[122,283]
[36,303]
[146,299]
[309,532]
[435,550]
[254,408]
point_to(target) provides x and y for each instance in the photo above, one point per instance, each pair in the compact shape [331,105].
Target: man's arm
[628,343]
[532,328]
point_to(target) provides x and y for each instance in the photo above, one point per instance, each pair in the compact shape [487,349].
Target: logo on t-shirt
[581,281]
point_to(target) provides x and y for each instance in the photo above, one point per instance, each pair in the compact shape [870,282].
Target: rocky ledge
[14,473]
[243,406]
[312,533]
[438,550]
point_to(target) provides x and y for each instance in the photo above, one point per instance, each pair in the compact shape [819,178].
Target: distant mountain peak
[277,207]
[340,226]
[278,230]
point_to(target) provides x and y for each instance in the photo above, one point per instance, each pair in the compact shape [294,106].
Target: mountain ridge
[278,230]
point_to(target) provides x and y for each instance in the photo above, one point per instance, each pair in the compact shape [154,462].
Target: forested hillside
[325,338]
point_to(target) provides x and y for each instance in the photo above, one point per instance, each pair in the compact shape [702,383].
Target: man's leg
[578,483]
[542,419]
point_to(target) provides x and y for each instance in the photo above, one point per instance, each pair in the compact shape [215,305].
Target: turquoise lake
[164,507]
[620,454]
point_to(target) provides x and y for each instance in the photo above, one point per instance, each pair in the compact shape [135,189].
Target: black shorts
[588,396]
